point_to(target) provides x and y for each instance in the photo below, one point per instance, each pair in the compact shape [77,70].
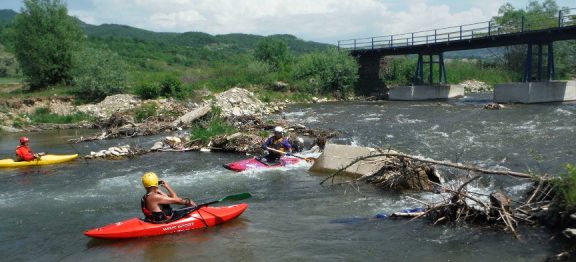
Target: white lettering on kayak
[170,228]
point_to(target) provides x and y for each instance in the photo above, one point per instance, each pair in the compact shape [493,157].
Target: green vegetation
[400,70]
[213,126]
[43,115]
[274,52]
[536,16]
[145,111]
[567,186]
[98,73]
[328,72]
[115,58]
[45,39]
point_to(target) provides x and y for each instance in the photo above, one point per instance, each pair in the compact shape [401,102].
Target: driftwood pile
[403,172]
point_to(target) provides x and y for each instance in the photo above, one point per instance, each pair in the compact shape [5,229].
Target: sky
[325,21]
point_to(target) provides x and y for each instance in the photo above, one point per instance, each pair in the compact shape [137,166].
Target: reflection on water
[290,214]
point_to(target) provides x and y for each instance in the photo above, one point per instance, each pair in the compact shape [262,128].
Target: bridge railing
[462,32]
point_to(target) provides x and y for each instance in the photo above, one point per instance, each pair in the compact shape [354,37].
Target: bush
[171,87]
[329,71]
[43,115]
[145,111]
[98,73]
[213,126]
[148,90]
[273,51]
[567,186]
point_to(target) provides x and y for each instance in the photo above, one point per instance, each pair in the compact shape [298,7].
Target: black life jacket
[162,216]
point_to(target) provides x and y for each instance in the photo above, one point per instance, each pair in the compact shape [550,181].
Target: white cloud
[317,20]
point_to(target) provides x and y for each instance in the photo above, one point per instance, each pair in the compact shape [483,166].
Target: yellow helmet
[150,179]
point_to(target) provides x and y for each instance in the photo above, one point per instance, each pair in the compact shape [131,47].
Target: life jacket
[164,215]
[277,144]
[24,153]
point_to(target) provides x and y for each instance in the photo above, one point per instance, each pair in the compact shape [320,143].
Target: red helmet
[24,140]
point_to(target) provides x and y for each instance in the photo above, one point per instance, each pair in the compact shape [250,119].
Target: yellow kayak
[44,160]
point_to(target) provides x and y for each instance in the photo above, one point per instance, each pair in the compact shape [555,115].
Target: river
[45,210]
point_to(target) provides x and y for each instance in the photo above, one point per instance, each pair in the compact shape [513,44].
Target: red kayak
[254,163]
[204,217]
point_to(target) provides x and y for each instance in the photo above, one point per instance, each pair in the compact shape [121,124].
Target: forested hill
[238,42]
[196,39]
[6,16]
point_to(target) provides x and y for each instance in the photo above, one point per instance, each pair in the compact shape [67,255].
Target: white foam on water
[529,126]
[400,118]
[563,112]
[369,119]
[442,134]
[434,127]
[295,114]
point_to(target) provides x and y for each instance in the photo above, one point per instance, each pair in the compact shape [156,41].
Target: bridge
[538,34]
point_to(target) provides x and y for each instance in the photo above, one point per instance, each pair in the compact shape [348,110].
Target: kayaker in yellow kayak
[23,151]
[278,142]
[155,203]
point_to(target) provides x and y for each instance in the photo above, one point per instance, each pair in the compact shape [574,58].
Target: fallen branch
[442,163]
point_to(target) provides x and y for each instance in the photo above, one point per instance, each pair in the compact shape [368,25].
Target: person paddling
[155,204]
[24,153]
[278,142]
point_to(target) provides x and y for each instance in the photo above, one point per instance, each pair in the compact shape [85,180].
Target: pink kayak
[254,163]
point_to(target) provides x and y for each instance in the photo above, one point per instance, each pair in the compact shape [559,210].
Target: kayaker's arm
[172,197]
[171,192]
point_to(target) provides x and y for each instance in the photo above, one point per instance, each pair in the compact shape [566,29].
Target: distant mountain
[7,15]
[196,39]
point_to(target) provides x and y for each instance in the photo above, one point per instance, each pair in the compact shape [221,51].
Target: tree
[45,39]
[330,71]
[98,73]
[536,16]
[273,52]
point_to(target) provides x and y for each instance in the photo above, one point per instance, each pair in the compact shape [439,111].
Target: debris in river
[119,152]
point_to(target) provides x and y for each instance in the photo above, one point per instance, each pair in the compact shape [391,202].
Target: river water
[45,210]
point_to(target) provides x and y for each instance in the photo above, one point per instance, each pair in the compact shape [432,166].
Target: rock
[235,135]
[569,232]
[10,129]
[157,146]
[315,99]
[236,111]
[493,106]
[475,86]
[501,200]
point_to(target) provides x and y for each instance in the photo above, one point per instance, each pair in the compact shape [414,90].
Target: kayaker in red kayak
[156,204]
[23,151]
[278,142]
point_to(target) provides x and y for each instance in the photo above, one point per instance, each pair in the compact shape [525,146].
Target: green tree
[98,73]
[330,71]
[45,39]
[273,51]
[536,16]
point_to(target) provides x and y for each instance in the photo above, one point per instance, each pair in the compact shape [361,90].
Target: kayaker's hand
[189,202]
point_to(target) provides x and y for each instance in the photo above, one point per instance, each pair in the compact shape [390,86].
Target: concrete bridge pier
[369,82]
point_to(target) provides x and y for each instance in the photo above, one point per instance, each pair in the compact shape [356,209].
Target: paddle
[284,153]
[226,198]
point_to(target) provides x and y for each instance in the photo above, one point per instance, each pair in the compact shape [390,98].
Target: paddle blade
[236,197]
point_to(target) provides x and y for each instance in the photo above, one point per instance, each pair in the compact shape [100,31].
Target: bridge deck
[465,37]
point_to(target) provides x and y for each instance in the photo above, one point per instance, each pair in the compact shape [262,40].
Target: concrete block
[535,92]
[411,93]
[336,157]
